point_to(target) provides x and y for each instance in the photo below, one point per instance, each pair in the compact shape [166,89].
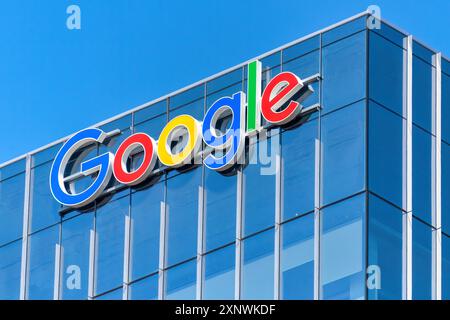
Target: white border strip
[26,222]
[407,170]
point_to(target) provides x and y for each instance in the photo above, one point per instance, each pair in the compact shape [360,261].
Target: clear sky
[55,81]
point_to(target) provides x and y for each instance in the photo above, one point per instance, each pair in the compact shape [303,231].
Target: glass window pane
[300,49]
[11,208]
[146,289]
[220,209]
[390,34]
[110,233]
[219,274]
[180,281]
[194,109]
[445,267]
[344,30]
[259,186]
[224,81]
[123,124]
[75,257]
[422,174]
[298,169]
[44,208]
[152,127]
[154,110]
[304,67]
[445,107]
[113,295]
[187,97]
[445,181]
[297,259]
[258,267]
[385,251]
[182,216]
[145,227]
[342,250]
[45,155]
[10,263]
[421,260]
[386,154]
[344,72]
[41,276]
[12,169]
[386,73]
[422,93]
[343,153]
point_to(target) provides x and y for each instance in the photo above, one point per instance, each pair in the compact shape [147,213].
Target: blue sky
[55,81]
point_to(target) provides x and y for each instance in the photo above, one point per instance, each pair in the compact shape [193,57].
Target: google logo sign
[278,104]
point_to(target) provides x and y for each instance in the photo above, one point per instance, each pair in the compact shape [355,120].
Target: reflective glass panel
[220,208]
[344,72]
[182,216]
[44,208]
[421,260]
[110,234]
[75,243]
[385,251]
[219,274]
[386,153]
[297,259]
[10,263]
[258,267]
[298,150]
[11,208]
[41,269]
[180,281]
[145,228]
[145,289]
[342,250]
[343,153]
[386,73]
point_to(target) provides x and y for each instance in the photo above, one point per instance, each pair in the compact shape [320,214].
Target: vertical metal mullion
[57,274]
[239,220]
[92,252]
[26,222]
[126,254]
[200,241]
[278,218]
[407,170]
[437,210]
[317,187]
[162,247]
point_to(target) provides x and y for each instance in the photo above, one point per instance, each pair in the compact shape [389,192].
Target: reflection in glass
[219,274]
[297,259]
[110,234]
[10,259]
[343,153]
[298,169]
[385,251]
[259,187]
[421,260]
[386,73]
[258,267]
[11,208]
[146,289]
[220,209]
[344,72]
[75,257]
[42,248]
[180,281]
[44,208]
[182,216]
[386,154]
[342,250]
[145,227]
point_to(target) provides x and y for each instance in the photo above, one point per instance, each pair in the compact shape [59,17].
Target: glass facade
[349,202]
